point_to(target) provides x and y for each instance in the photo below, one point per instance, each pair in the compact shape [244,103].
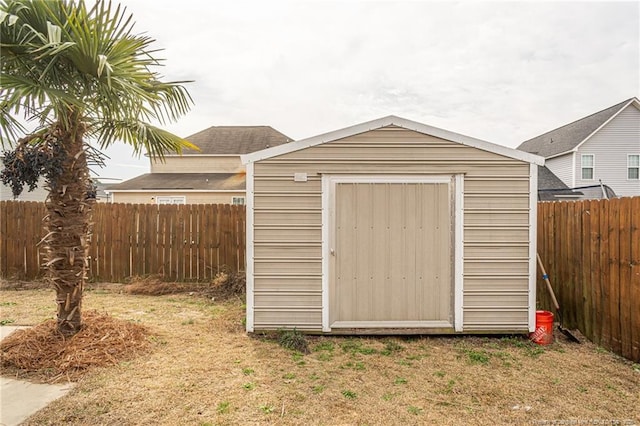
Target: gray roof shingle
[183,181]
[567,137]
[548,180]
[235,139]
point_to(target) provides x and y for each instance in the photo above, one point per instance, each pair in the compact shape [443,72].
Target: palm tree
[78,73]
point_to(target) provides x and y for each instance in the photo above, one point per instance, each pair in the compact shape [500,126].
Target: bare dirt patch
[203,369]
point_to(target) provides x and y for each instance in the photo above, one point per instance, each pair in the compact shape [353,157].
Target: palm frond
[61,55]
[143,137]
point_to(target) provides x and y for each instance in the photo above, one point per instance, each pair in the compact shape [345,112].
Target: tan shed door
[391,257]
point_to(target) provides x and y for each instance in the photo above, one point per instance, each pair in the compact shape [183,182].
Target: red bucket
[544,328]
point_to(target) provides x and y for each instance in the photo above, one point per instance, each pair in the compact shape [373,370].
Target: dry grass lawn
[203,369]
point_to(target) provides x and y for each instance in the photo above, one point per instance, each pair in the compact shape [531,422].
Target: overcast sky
[499,71]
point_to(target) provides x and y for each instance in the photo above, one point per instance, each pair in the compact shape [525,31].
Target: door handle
[333,252]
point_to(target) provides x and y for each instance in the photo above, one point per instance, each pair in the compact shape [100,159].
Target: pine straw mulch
[41,353]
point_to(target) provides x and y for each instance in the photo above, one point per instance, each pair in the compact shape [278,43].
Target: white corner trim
[391,121]
[327,209]
[574,170]
[249,257]
[458,252]
[533,225]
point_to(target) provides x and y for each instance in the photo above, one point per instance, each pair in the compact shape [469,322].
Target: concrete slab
[6,330]
[20,399]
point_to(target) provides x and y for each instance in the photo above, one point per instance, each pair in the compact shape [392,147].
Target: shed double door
[391,255]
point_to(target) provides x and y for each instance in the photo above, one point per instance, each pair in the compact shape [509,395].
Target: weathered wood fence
[178,242]
[591,250]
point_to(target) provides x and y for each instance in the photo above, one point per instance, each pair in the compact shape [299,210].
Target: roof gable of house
[235,140]
[570,136]
[388,122]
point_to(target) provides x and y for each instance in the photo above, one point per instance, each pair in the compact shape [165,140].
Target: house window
[587,166]
[237,200]
[633,167]
[172,200]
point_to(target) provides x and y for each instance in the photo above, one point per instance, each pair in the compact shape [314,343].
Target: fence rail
[591,250]
[180,242]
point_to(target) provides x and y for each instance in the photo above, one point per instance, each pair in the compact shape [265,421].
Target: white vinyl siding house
[611,147]
[391,225]
[562,167]
[597,148]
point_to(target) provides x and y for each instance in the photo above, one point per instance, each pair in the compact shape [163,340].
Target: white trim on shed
[392,120]
[249,247]
[291,227]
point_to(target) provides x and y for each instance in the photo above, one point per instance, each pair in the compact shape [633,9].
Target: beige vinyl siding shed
[391,226]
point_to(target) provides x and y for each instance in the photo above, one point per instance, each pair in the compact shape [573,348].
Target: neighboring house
[391,226]
[601,148]
[551,188]
[214,174]
[38,194]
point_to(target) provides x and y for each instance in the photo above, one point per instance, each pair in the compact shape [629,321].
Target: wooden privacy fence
[591,250]
[178,242]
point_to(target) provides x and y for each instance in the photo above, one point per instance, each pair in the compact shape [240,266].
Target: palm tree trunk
[68,223]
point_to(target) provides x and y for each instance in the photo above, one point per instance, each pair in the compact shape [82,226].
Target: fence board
[614,275]
[635,278]
[595,270]
[188,242]
[588,316]
[593,249]
[605,291]
[625,277]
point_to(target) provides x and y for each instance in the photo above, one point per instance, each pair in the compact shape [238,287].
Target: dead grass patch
[203,369]
[154,285]
[224,285]
[16,284]
[41,353]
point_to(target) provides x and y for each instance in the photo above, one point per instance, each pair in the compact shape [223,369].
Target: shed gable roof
[386,122]
[568,137]
[230,140]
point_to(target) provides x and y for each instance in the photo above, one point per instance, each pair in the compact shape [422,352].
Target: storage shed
[391,226]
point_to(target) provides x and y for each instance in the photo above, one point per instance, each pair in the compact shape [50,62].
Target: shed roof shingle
[567,137]
[235,139]
[183,181]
